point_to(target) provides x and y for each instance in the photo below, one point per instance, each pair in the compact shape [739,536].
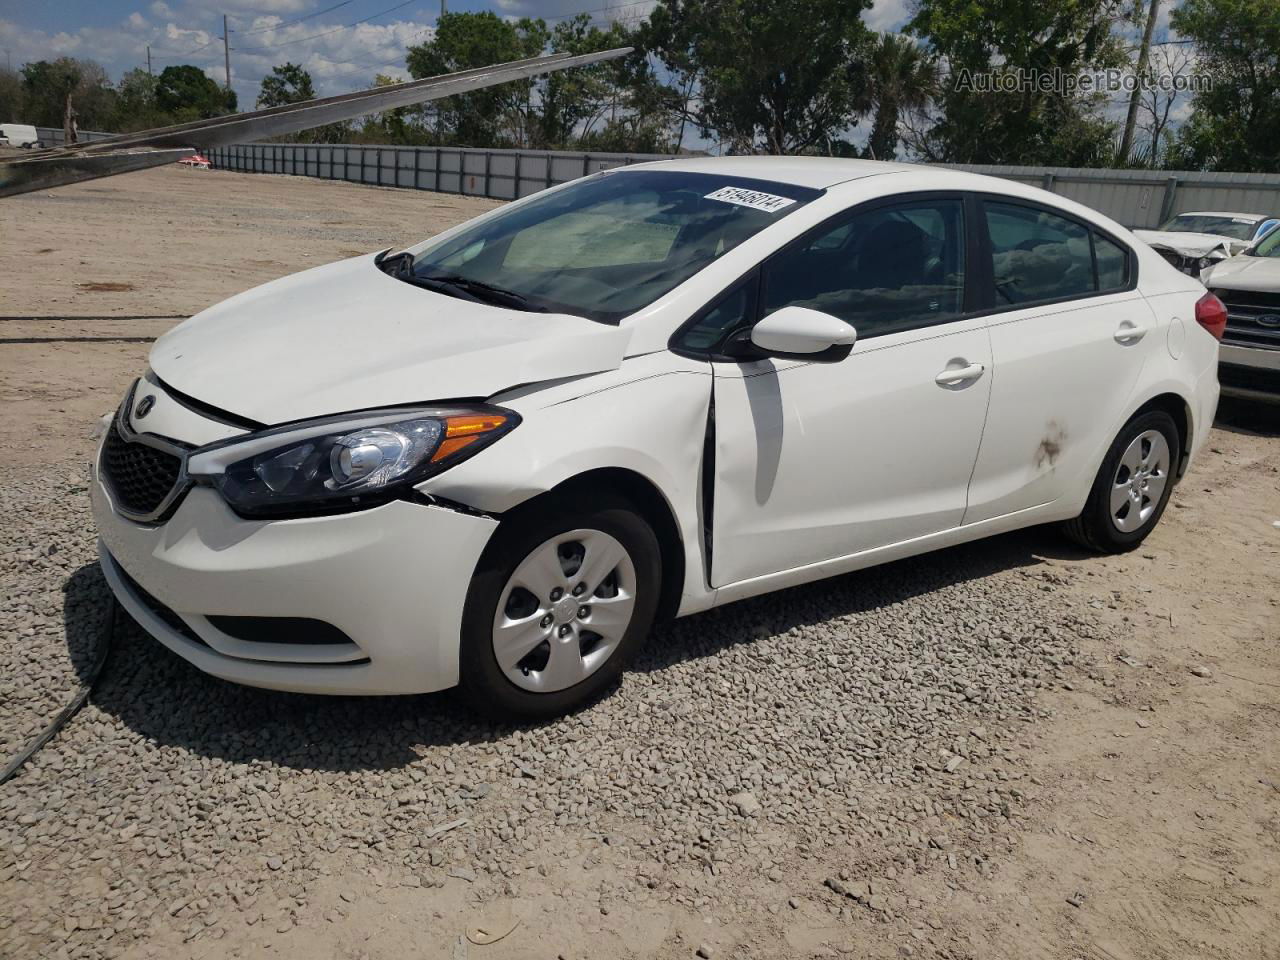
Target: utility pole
[444,7]
[1144,56]
[148,59]
[226,50]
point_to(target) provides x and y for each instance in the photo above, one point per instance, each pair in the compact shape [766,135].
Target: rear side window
[1113,263]
[1037,255]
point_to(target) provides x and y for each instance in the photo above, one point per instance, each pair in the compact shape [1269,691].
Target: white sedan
[495,459]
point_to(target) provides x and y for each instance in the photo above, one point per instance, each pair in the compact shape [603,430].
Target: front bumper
[1249,372]
[393,579]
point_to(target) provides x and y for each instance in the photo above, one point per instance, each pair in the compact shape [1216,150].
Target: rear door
[815,461]
[1070,335]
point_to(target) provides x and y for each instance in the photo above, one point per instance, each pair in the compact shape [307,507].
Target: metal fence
[53,136]
[1146,198]
[1136,198]
[500,174]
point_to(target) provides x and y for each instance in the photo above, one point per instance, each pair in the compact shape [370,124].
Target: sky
[342,44]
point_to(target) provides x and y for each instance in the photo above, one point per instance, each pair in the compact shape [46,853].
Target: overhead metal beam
[135,151]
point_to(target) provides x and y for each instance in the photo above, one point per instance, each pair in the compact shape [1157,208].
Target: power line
[290,23]
[316,36]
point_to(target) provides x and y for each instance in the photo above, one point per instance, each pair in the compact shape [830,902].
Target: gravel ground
[879,709]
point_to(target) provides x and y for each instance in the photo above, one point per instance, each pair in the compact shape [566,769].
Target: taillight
[1211,313]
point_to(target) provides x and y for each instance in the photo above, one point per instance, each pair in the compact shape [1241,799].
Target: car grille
[1245,310]
[140,476]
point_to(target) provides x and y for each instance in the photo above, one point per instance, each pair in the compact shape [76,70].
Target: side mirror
[797,333]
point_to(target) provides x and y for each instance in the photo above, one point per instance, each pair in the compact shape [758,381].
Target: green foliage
[286,83]
[1236,123]
[12,98]
[187,93]
[136,104]
[614,102]
[902,77]
[464,41]
[46,85]
[772,76]
[1033,125]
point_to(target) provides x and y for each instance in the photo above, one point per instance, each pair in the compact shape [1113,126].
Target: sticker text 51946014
[768,202]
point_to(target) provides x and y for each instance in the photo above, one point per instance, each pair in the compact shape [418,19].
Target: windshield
[610,244]
[1268,246]
[1237,228]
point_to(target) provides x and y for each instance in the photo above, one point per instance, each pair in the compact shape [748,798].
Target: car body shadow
[1250,417]
[166,701]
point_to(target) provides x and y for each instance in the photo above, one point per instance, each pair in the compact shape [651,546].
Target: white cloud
[137,21]
[161,9]
[888,14]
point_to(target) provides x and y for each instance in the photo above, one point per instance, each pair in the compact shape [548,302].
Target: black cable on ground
[78,701]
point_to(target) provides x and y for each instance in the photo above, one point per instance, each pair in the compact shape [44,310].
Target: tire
[587,532]
[1106,525]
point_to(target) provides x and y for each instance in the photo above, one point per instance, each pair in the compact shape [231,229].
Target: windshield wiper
[481,291]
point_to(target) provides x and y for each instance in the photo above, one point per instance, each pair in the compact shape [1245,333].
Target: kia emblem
[144,406]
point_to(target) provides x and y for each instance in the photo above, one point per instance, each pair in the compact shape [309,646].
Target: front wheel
[1132,487]
[562,598]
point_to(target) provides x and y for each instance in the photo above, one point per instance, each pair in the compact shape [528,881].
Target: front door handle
[1129,333]
[954,376]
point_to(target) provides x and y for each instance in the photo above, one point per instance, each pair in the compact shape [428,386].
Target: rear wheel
[1132,487]
[562,598]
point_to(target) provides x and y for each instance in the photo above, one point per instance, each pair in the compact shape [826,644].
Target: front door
[815,461]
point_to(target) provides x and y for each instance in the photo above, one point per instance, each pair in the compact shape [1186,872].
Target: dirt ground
[1153,823]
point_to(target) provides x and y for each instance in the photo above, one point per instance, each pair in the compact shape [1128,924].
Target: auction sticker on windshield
[767,202]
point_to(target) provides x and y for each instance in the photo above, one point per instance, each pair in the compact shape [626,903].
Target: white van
[19,135]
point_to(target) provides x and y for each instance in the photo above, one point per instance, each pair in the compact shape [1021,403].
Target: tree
[49,86]
[1235,124]
[771,76]
[1170,66]
[188,93]
[902,77]
[287,83]
[463,41]
[136,103]
[1035,47]
[12,100]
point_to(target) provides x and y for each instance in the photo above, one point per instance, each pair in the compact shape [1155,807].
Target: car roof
[815,172]
[1219,213]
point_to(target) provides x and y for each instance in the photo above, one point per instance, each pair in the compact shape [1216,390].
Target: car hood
[1190,244]
[1260,274]
[347,336]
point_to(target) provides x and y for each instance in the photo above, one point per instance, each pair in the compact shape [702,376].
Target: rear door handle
[1129,333]
[954,376]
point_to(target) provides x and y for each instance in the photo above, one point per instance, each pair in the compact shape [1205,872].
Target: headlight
[345,462]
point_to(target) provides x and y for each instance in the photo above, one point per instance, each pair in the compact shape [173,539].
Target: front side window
[1037,255]
[611,244]
[883,270]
